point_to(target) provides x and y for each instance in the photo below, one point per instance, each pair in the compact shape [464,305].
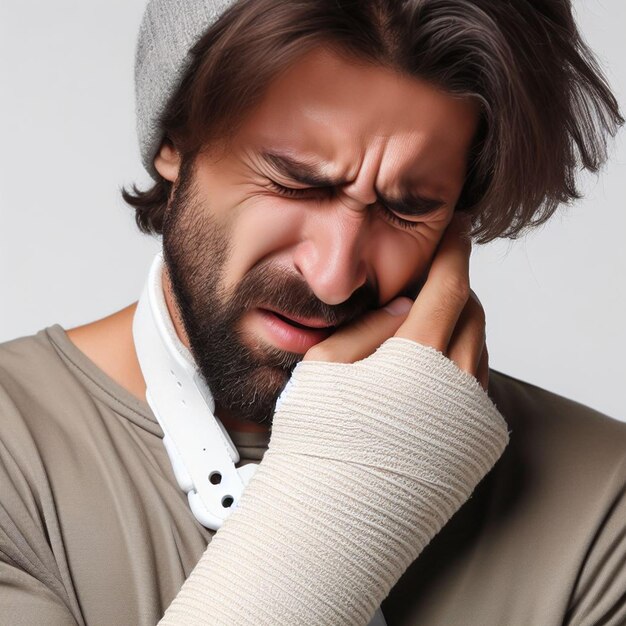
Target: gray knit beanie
[168,30]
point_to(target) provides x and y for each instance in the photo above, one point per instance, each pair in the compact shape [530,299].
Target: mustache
[265,286]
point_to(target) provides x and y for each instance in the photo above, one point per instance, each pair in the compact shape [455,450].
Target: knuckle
[478,312]
[473,296]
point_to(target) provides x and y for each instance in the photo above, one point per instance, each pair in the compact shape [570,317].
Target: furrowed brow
[310,173]
[304,172]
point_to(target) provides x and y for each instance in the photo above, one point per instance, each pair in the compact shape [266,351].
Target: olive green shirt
[95,530]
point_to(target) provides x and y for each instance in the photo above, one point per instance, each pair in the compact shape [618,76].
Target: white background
[70,253]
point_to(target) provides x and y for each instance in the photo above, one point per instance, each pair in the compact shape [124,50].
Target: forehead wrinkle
[307,171]
[391,162]
[312,170]
[287,161]
[413,154]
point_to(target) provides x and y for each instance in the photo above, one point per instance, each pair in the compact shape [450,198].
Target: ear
[167,160]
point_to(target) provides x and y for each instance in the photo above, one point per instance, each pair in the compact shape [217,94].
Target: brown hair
[546,107]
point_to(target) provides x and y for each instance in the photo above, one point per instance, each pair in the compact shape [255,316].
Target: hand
[446,315]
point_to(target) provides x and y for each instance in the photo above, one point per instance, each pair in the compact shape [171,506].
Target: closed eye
[330,192]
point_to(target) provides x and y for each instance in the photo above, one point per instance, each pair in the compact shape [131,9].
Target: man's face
[238,245]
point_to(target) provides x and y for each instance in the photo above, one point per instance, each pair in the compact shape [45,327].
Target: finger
[468,338]
[483,368]
[363,336]
[439,304]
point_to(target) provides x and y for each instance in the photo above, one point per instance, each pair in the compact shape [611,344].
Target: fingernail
[399,306]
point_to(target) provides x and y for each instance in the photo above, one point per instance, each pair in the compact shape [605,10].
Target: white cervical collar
[196,441]
[202,454]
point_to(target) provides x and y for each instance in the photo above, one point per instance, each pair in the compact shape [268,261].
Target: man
[312,164]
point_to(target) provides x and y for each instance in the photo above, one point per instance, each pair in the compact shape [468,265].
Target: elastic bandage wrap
[367,461]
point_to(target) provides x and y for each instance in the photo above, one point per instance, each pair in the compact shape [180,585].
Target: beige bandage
[366,463]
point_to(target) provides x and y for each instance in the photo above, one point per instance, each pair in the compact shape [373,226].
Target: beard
[245,374]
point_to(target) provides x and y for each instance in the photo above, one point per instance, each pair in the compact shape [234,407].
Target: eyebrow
[310,173]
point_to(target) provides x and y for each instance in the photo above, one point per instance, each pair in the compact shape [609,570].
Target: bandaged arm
[367,461]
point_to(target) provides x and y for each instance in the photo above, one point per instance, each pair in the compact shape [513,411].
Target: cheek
[262,228]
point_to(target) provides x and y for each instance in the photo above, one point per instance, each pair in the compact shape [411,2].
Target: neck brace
[197,443]
[201,452]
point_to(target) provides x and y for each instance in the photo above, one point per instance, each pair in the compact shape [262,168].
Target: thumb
[361,338]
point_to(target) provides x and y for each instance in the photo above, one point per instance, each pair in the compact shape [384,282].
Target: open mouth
[298,321]
[298,325]
[292,335]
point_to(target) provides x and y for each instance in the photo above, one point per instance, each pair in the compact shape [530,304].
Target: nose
[331,257]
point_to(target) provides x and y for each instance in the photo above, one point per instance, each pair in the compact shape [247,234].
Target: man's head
[412,109]
[235,243]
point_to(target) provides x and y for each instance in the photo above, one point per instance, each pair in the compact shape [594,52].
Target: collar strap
[202,453]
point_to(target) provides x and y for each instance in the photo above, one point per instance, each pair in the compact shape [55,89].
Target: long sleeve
[367,462]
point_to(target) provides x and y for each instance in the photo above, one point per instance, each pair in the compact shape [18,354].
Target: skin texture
[233,241]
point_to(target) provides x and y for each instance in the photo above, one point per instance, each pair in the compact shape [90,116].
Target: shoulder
[554,436]
[27,367]
[28,370]
[24,363]
[34,377]
[29,362]
[528,406]
[562,483]
[33,577]
[38,393]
